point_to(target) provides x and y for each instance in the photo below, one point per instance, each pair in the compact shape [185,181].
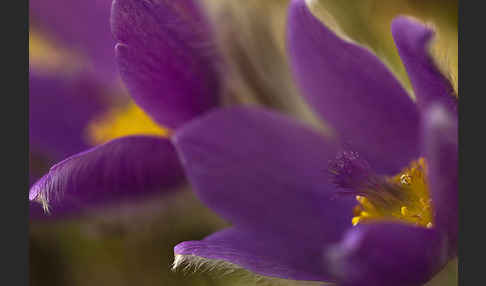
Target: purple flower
[166,58]
[67,79]
[75,99]
[60,108]
[65,97]
[70,61]
[374,205]
[68,70]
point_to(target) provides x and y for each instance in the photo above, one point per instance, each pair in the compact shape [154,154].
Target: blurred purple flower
[166,58]
[63,99]
[69,66]
[279,182]
[59,110]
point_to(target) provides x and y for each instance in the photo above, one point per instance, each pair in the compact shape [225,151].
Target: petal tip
[33,192]
[413,30]
[38,194]
[179,249]
[296,5]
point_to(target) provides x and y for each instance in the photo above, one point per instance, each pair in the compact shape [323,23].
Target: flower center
[404,197]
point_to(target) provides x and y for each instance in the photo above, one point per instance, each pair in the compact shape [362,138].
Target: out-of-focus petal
[60,107]
[413,39]
[81,25]
[441,152]
[384,254]
[166,58]
[353,91]
[125,168]
[268,173]
[273,256]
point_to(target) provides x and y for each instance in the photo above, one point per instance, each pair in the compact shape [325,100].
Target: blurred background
[77,101]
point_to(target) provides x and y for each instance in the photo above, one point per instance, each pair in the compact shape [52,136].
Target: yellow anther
[355,220]
[365,203]
[405,179]
[406,198]
[404,211]
[365,214]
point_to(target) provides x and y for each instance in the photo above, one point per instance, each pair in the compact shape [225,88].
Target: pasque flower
[65,90]
[167,61]
[62,54]
[376,204]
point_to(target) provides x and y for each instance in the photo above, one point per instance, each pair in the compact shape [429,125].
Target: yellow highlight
[123,121]
[406,198]
[49,56]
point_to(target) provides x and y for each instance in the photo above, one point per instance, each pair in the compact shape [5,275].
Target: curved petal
[270,256]
[354,91]
[383,254]
[82,25]
[60,108]
[166,58]
[413,39]
[441,151]
[125,168]
[267,173]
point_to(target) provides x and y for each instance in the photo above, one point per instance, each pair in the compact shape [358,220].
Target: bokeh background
[72,69]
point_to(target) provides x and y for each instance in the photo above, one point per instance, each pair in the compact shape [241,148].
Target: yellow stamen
[365,203]
[405,198]
[122,121]
[365,214]
[356,220]
[404,211]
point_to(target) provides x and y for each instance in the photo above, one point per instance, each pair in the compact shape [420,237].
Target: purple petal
[353,91]
[384,254]
[166,58]
[125,168]
[441,151]
[265,255]
[60,107]
[269,174]
[413,39]
[82,25]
